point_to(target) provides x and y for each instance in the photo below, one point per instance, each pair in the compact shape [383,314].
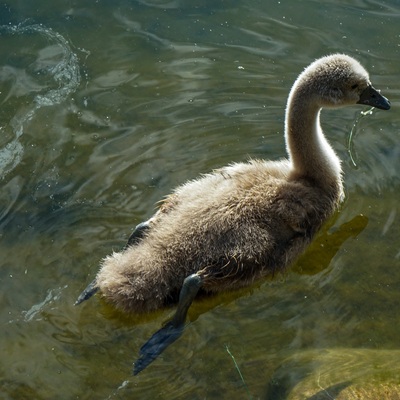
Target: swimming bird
[241,222]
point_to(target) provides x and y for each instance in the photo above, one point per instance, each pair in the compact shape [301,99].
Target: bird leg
[173,329]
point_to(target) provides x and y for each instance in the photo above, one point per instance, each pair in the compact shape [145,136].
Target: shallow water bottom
[142,96]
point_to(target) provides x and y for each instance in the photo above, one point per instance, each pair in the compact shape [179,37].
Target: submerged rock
[340,374]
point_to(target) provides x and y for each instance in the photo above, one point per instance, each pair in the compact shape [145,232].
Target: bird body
[233,226]
[242,222]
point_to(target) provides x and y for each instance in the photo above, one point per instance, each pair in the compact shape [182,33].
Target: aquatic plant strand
[352,134]
[238,370]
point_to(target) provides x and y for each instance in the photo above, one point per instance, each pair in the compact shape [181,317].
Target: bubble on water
[66,76]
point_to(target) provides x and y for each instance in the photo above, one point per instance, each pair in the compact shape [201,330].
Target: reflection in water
[327,244]
[64,72]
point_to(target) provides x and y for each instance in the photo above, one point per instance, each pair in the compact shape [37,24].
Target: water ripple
[65,73]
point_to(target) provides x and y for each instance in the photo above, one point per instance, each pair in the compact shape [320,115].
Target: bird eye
[355,86]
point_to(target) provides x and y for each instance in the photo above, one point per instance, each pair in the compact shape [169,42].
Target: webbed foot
[90,290]
[167,335]
[156,345]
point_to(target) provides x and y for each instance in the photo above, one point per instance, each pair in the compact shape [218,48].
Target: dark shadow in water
[280,390]
[330,392]
[280,387]
[289,375]
[12,389]
[6,14]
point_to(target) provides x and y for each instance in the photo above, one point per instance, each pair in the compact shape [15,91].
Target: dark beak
[371,97]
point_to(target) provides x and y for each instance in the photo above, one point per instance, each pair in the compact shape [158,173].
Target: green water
[108,105]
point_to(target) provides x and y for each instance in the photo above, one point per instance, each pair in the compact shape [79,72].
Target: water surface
[105,107]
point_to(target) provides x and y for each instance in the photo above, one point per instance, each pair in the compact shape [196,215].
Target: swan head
[339,80]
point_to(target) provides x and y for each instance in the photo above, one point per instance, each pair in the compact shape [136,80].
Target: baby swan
[241,222]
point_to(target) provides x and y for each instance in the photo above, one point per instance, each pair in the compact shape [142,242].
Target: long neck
[310,154]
